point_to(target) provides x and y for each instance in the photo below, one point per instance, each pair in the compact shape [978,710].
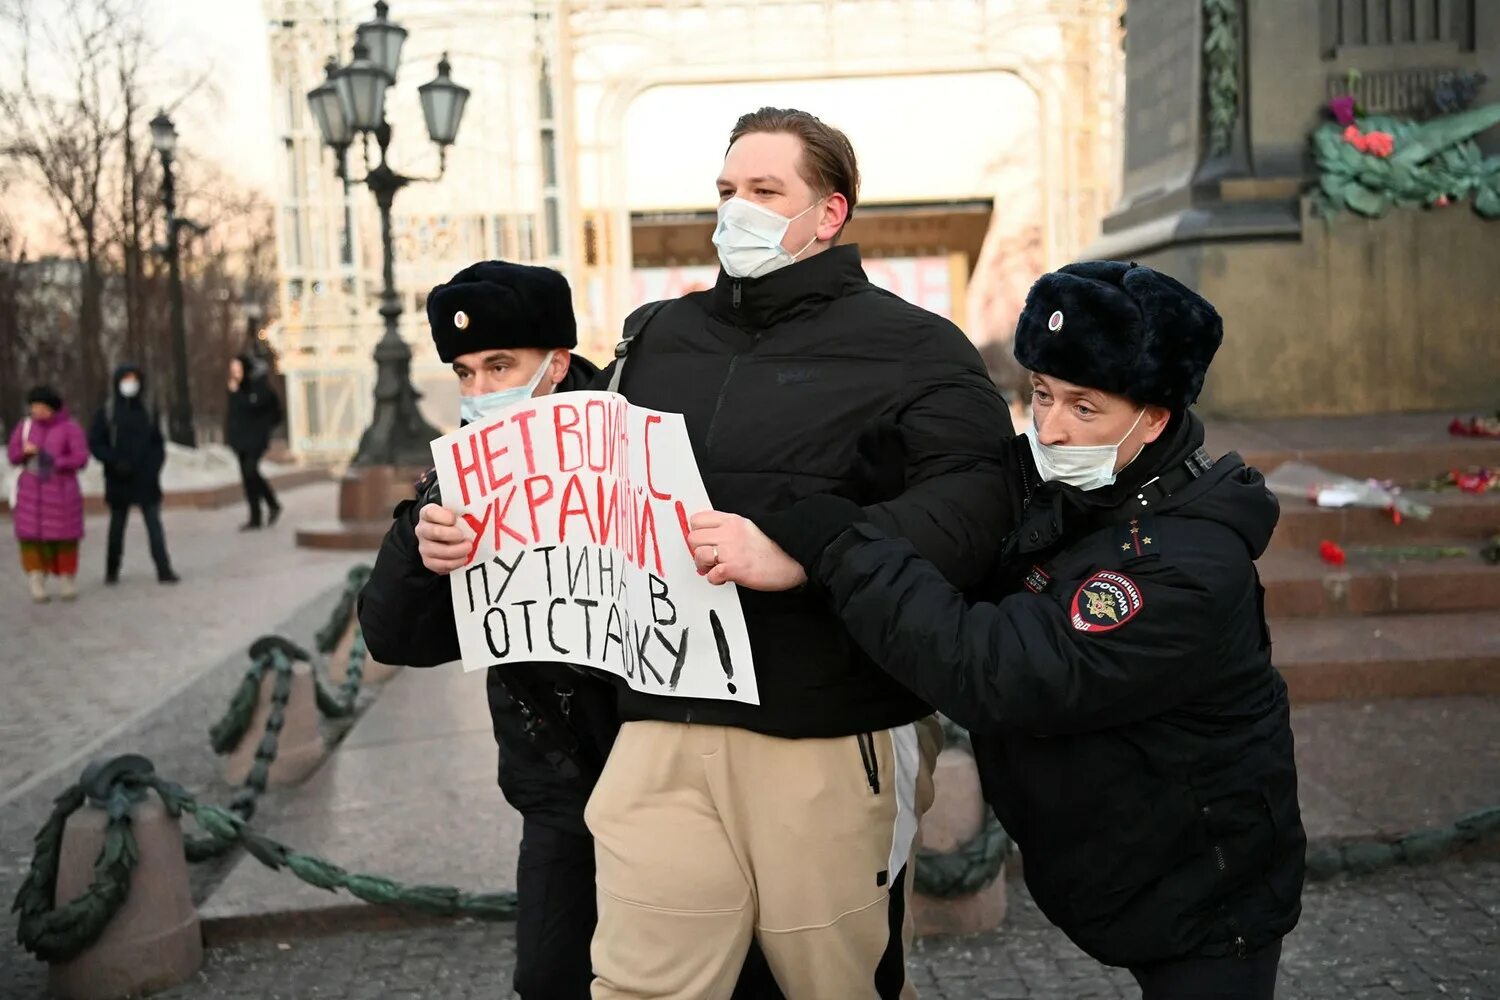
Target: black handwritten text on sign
[579,505]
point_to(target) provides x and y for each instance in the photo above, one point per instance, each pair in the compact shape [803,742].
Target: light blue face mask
[472,409]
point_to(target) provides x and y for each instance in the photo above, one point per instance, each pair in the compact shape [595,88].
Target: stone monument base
[1350,316]
[367,495]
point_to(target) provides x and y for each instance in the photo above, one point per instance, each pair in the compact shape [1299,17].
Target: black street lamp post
[180,422]
[352,100]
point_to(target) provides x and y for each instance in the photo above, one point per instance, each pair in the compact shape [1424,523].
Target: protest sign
[579,503]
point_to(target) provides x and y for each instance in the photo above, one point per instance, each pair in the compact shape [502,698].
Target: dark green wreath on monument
[978,861]
[1431,164]
[1221,70]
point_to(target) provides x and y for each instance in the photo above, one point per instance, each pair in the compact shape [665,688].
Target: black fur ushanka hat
[1121,328]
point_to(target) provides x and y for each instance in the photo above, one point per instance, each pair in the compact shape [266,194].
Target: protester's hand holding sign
[728,548]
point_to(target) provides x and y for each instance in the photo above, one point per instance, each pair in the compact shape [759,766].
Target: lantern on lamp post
[350,102]
[180,419]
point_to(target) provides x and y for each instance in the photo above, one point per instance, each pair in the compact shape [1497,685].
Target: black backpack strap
[634,327]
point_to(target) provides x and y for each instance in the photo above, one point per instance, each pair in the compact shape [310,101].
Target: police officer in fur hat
[1130,730]
[508,330]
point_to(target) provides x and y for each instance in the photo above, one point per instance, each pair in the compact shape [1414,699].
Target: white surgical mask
[130,388]
[1088,467]
[475,408]
[749,238]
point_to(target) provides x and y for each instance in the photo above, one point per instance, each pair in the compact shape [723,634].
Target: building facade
[541,171]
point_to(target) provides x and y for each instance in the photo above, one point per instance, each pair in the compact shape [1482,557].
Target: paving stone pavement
[175,737]
[72,673]
[1427,932]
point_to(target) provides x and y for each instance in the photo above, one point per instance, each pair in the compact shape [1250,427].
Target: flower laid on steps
[1475,479]
[1331,553]
[1475,426]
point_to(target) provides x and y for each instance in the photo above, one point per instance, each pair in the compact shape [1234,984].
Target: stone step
[1405,448]
[1389,656]
[1301,585]
[1455,515]
[1401,465]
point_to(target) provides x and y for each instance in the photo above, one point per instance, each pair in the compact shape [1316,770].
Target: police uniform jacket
[1130,730]
[553,723]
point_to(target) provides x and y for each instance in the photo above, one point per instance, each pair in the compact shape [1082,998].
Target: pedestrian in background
[254,411]
[47,508]
[126,440]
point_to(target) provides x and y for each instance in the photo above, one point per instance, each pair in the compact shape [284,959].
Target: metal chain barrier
[1362,857]
[58,933]
[976,862]
[269,652]
[341,704]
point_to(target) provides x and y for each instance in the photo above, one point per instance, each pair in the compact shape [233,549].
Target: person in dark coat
[1131,732]
[254,411]
[508,330]
[127,441]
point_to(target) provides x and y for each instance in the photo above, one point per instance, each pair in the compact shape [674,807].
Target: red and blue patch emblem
[1104,602]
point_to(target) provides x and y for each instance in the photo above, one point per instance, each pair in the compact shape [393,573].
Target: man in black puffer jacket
[1130,730]
[792,822]
[508,330]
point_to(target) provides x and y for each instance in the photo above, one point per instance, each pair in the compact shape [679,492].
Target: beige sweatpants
[705,835]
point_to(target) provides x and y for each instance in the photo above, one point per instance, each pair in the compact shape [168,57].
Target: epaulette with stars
[1136,539]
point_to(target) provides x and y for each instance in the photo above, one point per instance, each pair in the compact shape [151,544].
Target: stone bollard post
[958,812]
[338,661]
[299,743]
[153,940]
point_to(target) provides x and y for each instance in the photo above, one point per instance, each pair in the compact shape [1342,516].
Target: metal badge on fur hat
[495,304]
[1122,328]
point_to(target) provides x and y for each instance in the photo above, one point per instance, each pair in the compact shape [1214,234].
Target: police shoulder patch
[1104,602]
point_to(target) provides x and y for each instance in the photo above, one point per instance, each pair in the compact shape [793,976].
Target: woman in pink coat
[50,448]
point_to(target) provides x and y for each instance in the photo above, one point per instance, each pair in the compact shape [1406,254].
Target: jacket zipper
[1240,949]
[713,421]
[734,362]
[1239,939]
[866,743]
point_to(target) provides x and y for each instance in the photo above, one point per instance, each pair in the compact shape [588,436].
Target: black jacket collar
[1056,513]
[805,286]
